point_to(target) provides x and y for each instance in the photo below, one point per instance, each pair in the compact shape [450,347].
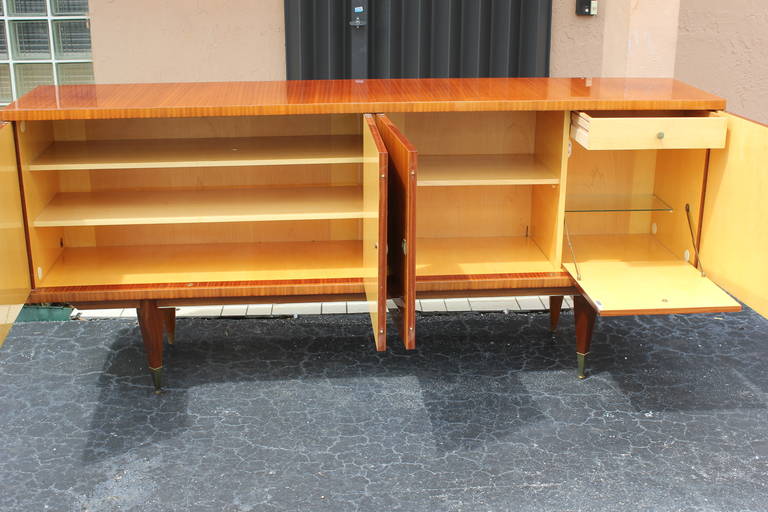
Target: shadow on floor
[471,373]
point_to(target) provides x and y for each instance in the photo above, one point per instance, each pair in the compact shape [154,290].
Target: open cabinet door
[402,226]
[375,228]
[14,265]
[734,237]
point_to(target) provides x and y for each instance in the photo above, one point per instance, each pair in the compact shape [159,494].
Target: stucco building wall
[722,47]
[187,40]
[635,38]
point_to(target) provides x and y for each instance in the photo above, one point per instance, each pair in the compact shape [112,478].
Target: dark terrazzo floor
[302,414]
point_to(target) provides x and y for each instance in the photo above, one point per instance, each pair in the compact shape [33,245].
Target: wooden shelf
[462,256]
[195,206]
[220,152]
[626,274]
[470,170]
[91,266]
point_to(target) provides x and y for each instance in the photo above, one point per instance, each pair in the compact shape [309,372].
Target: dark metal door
[417,38]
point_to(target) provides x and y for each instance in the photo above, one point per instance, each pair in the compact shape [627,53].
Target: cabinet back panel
[472,211]
[200,178]
[620,173]
[467,133]
[207,127]
[237,232]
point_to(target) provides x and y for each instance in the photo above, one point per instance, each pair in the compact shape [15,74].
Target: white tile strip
[334,308]
[234,310]
[100,313]
[357,307]
[202,311]
[433,305]
[308,308]
[532,303]
[457,305]
[524,303]
[259,310]
[494,304]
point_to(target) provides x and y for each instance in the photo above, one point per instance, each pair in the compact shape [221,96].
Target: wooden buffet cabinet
[635,196]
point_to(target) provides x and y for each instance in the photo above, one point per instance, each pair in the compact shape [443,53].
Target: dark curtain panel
[418,39]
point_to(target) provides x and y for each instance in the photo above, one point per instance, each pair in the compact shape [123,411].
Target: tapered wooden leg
[585,323]
[555,305]
[169,324]
[151,324]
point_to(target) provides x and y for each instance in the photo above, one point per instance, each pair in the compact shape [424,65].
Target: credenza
[635,196]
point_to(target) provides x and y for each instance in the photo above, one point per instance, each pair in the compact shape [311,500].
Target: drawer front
[617,133]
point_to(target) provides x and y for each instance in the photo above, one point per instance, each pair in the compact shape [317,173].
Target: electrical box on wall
[586,7]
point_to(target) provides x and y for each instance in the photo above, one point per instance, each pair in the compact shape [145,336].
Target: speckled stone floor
[302,414]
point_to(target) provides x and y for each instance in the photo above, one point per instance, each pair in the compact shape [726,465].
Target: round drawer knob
[660,135]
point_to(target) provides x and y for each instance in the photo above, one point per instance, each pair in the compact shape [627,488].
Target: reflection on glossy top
[350,96]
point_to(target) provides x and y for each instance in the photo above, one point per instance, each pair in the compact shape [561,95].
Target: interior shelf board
[122,208]
[463,256]
[595,203]
[470,170]
[214,152]
[635,274]
[92,266]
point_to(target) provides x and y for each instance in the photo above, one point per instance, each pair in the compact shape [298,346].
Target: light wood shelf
[626,274]
[462,256]
[196,206]
[90,266]
[217,152]
[470,170]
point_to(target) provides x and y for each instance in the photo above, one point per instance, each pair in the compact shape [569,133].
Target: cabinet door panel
[734,237]
[375,228]
[402,226]
[634,274]
[14,270]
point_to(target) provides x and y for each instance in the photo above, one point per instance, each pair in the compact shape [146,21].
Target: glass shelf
[615,203]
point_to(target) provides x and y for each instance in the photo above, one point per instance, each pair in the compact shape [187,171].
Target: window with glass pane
[69,7]
[73,73]
[72,39]
[27,8]
[29,76]
[3,43]
[6,93]
[30,40]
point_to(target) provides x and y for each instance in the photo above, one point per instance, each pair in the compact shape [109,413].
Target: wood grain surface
[113,101]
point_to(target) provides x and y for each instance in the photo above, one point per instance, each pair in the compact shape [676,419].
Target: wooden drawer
[616,133]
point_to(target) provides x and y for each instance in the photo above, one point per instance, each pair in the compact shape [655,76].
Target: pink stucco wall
[187,40]
[723,47]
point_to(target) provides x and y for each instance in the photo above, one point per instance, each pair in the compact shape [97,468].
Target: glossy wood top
[355,96]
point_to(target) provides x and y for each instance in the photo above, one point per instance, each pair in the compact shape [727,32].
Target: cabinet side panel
[39,188]
[14,274]
[547,201]
[734,237]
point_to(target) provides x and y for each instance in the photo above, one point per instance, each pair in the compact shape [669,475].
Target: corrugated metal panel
[418,39]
